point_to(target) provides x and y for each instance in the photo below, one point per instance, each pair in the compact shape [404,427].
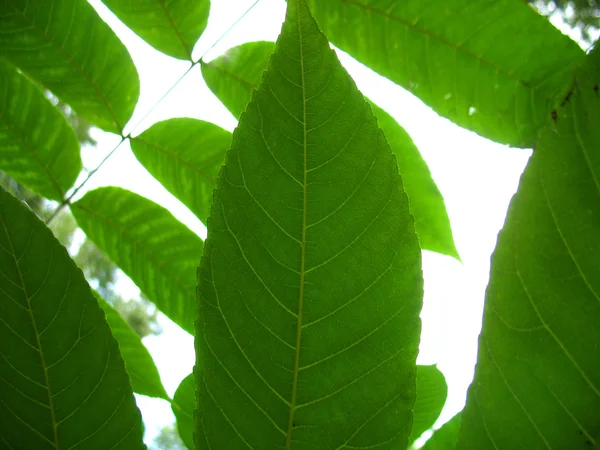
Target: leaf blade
[491,67]
[63,382]
[251,379]
[184,402]
[538,371]
[169,150]
[154,249]
[432,391]
[38,148]
[50,41]
[233,76]
[170,27]
[446,436]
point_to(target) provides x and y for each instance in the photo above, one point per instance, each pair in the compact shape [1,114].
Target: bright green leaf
[38,148]
[492,67]
[154,249]
[432,391]
[65,46]
[538,369]
[185,155]
[63,383]
[172,27]
[142,371]
[233,76]
[446,437]
[310,287]
[184,402]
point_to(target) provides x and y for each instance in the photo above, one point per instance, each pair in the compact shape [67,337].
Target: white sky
[477,178]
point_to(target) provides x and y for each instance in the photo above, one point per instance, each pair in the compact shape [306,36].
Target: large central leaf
[310,283]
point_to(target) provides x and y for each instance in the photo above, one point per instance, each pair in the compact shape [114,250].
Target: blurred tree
[583,15]
[168,439]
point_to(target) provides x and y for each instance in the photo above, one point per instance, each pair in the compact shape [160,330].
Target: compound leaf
[38,148]
[185,155]
[537,380]
[63,383]
[154,249]
[310,286]
[66,47]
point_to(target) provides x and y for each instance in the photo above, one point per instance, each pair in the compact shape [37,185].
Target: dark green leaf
[431,397]
[184,402]
[446,437]
[233,76]
[310,287]
[185,155]
[537,381]
[142,371]
[65,46]
[154,249]
[172,27]
[492,67]
[38,148]
[63,383]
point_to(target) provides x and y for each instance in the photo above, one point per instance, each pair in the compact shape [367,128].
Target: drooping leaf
[446,437]
[140,366]
[492,67]
[537,380]
[432,391]
[38,148]
[63,383]
[310,287]
[66,47]
[172,27]
[184,402]
[232,78]
[154,249]
[185,155]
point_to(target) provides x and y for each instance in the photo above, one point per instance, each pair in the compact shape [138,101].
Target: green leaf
[432,391]
[232,78]
[63,383]
[446,437]
[154,249]
[65,46]
[38,148]
[310,287]
[172,27]
[184,402]
[538,370]
[492,67]
[185,155]
[142,371]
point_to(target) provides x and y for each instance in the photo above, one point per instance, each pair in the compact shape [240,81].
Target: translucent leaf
[446,437]
[310,287]
[154,249]
[492,67]
[38,148]
[233,76]
[184,402]
[142,371]
[185,155]
[63,383]
[66,47]
[537,380]
[172,27]
[432,391]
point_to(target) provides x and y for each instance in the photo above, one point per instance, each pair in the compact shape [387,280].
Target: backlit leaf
[185,155]
[310,287]
[431,397]
[492,67]
[154,249]
[63,383]
[38,148]
[184,402]
[172,27]
[537,380]
[66,47]
[233,76]
[446,437]
[140,366]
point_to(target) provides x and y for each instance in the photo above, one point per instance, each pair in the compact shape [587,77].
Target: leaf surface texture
[432,391]
[310,287]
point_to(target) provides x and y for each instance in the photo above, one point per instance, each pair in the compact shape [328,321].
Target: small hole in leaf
[472,110]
